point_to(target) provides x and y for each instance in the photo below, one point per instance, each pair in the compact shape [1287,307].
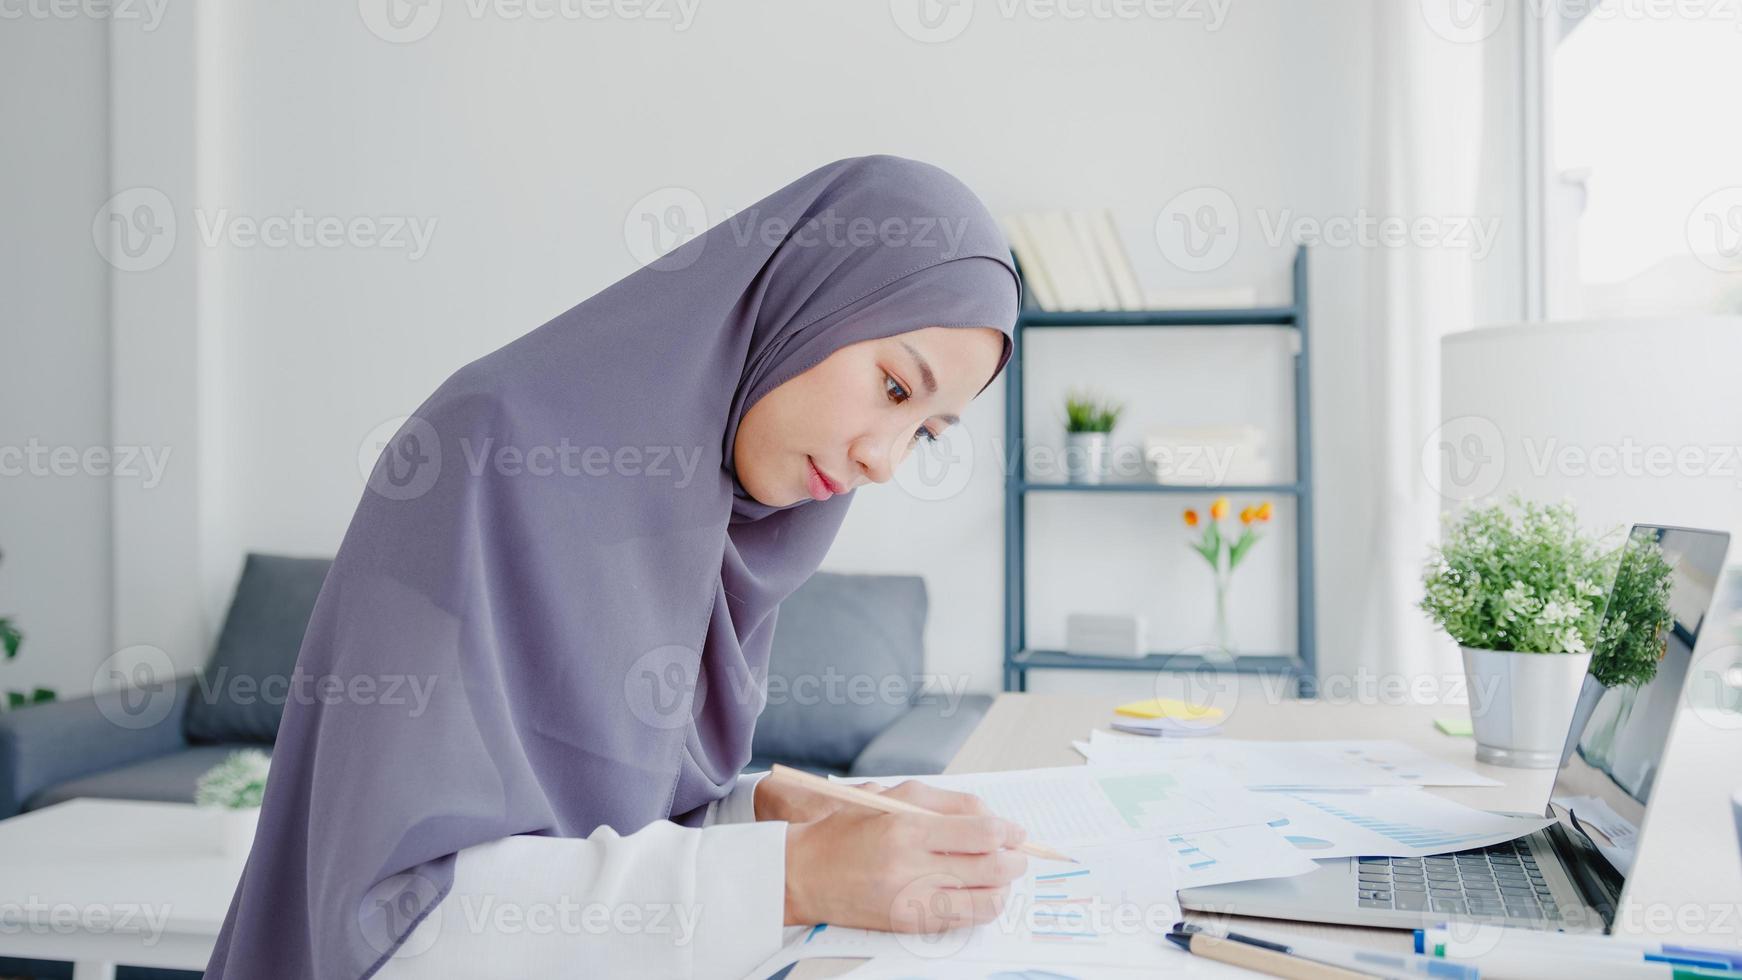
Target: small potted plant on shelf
[1224,554]
[1088,421]
[229,794]
[1520,589]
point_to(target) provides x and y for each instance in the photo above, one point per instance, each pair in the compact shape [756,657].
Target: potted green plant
[1520,589]
[1088,422]
[11,638]
[229,794]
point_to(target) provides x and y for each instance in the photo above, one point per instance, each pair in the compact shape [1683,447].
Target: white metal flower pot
[1521,704]
[1085,456]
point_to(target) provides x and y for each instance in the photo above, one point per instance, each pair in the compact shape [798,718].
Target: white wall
[526,145]
[54,369]
[1633,420]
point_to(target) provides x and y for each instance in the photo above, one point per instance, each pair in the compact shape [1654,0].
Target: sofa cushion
[847,658]
[167,778]
[241,694]
[925,739]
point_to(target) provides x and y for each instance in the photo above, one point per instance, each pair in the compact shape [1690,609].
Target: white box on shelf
[1104,635]
[1206,455]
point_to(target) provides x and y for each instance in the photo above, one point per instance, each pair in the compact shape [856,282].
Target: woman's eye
[897,393]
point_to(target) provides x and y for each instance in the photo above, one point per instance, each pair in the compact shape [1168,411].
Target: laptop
[1568,876]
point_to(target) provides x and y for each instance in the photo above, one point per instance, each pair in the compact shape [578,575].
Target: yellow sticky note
[1167,708]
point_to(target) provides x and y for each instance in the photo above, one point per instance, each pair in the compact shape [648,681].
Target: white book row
[1074,260]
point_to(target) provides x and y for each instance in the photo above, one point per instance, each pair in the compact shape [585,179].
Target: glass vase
[1221,645]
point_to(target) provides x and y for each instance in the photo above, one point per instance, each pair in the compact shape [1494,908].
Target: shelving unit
[1018,658]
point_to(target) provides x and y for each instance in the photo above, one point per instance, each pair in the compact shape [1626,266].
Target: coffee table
[104,882]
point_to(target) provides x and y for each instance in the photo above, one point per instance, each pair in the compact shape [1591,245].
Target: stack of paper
[1167,716]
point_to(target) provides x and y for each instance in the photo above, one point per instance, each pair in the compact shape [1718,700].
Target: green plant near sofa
[11,638]
[237,783]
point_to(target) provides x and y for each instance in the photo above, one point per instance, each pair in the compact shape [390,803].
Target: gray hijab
[591,625]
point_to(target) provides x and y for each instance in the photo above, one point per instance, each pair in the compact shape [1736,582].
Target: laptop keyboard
[1502,880]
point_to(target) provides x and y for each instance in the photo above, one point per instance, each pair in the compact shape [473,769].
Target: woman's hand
[903,872]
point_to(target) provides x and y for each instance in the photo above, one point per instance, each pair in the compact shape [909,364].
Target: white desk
[101,882]
[1689,844]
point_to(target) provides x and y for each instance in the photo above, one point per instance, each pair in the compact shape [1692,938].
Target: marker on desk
[1532,953]
[1439,941]
[1357,958]
[877,801]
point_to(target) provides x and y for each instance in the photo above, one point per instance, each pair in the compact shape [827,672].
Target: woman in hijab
[578,545]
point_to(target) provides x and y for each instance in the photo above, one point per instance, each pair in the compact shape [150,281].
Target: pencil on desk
[1262,960]
[877,801]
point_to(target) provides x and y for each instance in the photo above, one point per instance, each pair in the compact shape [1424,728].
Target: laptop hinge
[1598,883]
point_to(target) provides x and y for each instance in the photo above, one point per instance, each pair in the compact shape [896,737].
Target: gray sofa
[843,697]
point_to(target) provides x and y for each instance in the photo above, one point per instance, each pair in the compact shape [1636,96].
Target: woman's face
[857,414]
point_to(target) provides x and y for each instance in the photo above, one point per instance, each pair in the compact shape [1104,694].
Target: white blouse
[665,901]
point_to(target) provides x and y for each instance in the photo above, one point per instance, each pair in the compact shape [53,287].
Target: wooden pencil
[1262,960]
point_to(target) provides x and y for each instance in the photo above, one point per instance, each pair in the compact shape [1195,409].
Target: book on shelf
[1074,260]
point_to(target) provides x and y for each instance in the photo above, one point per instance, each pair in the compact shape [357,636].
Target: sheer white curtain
[1425,162]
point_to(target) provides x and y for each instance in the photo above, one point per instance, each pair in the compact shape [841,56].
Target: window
[1641,199]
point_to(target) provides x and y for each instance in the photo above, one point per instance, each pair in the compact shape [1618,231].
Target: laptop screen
[1615,744]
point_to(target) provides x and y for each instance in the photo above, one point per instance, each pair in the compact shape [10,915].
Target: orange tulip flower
[1263,511]
[1246,515]
[1219,509]
[1191,517]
